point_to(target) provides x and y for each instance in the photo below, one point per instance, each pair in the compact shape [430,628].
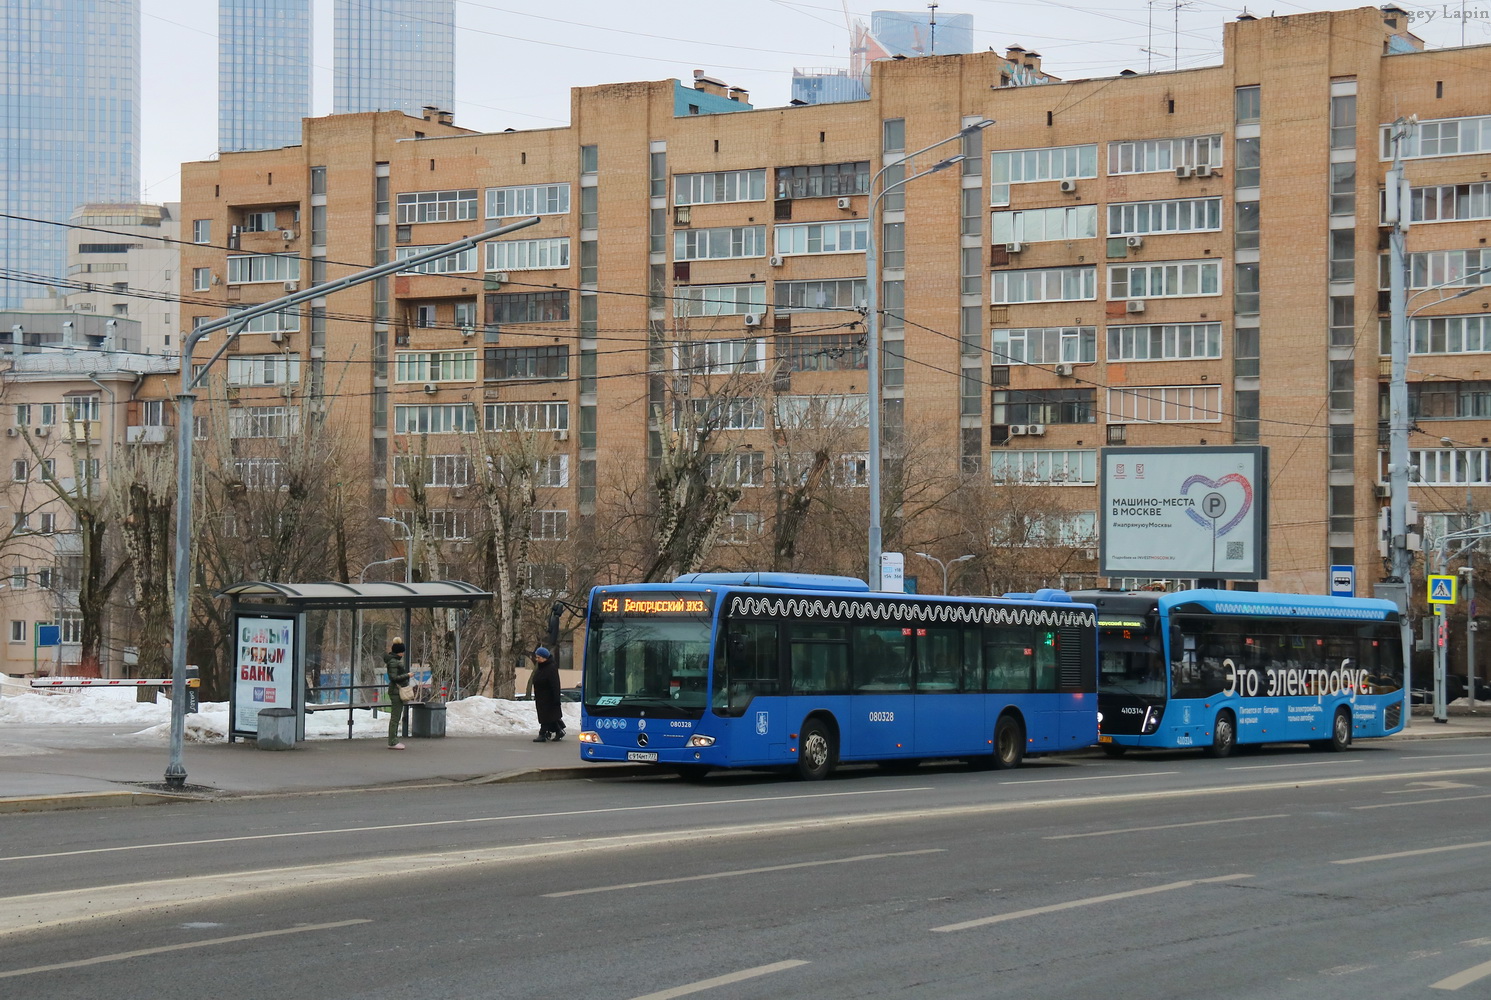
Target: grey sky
[516,60]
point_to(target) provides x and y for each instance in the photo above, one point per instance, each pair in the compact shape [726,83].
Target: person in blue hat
[546,696]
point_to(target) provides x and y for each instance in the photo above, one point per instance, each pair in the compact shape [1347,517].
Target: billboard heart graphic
[1216,484]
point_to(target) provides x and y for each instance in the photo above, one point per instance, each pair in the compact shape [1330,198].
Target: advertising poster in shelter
[263,669]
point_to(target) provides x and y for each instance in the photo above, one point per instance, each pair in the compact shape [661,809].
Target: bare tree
[142,495]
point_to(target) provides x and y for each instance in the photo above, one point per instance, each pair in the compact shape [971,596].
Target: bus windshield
[640,663]
[1130,662]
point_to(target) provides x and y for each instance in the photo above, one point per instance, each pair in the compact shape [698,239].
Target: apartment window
[822,237]
[201,230]
[1044,406]
[1442,137]
[45,414]
[1342,321]
[263,369]
[719,244]
[1045,467]
[589,159]
[893,135]
[528,255]
[740,469]
[1446,335]
[1444,400]
[17,631]
[1050,284]
[1342,254]
[527,416]
[799,412]
[1444,269]
[1247,103]
[719,186]
[263,421]
[738,414]
[1028,166]
[1151,156]
[1182,215]
[719,300]
[973,211]
[550,525]
[551,472]
[80,408]
[439,206]
[740,528]
[1452,466]
[425,317]
[433,419]
[893,196]
[505,364]
[720,357]
[18,578]
[259,473]
[263,267]
[1046,345]
[20,470]
[435,366]
[1343,121]
[1341,440]
[318,180]
[1342,385]
[1167,280]
[892,246]
[201,279]
[1452,202]
[1038,225]
[824,180]
[259,222]
[1246,344]
[526,199]
[1245,295]
[1165,342]
[589,207]
[444,471]
[1245,226]
[463,262]
[1249,155]
[971,270]
[1166,404]
[283,321]
[528,307]
[823,352]
[1343,188]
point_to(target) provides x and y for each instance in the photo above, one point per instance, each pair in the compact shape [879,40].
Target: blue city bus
[1215,668]
[801,672]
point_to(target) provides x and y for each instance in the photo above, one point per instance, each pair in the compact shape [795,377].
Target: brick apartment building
[1173,258]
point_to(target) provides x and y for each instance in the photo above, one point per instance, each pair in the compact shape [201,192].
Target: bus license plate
[1105,739]
[641,755]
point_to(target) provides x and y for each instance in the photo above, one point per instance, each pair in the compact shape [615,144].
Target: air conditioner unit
[774,261]
[468,331]
[1089,554]
[1204,170]
[1384,491]
[1019,430]
[845,203]
[752,319]
[1035,430]
[1182,171]
[1069,186]
[561,435]
[292,286]
[11,432]
[287,234]
[1134,306]
[42,432]
[1064,370]
[682,214]
[276,336]
[1134,241]
[429,387]
[1013,247]
[498,277]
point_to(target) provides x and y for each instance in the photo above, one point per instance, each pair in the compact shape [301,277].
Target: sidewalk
[68,766]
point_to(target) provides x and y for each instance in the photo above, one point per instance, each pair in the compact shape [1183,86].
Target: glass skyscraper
[393,55]
[69,125]
[263,73]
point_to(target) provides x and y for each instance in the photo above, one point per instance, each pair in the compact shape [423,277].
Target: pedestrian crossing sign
[1442,589]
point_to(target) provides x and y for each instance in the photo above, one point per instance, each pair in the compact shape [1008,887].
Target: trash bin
[427,721]
[276,729]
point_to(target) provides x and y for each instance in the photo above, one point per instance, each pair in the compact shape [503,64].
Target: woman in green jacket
[398,676]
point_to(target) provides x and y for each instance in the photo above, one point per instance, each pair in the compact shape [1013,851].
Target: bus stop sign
[49,635]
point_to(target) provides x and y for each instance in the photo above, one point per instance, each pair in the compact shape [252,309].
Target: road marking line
[1465,978]
[1413,854]
[742,871]
[1445,756]
[1095,777]
[121,956]
[460,822]
[1425,786]
[1091,901]
[725,980]
[1167,826]
[1422,802]
[1308,763]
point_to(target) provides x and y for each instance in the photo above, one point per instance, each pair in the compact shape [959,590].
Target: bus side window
[747,665]
[1009,656]
[881,659]
[1045,660]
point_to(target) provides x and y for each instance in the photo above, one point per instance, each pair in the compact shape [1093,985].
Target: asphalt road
[1280,873]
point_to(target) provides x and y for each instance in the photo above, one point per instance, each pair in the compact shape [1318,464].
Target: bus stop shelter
[270,640]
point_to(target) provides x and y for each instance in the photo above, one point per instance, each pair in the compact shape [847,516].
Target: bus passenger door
[881,720]
[948,720]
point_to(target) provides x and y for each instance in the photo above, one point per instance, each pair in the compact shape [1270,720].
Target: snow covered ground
[118,708]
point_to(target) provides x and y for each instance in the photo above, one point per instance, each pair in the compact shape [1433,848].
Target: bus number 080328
[882,716]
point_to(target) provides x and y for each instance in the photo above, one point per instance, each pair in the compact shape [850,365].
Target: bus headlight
[701,741]
[589,737]
[1151,720]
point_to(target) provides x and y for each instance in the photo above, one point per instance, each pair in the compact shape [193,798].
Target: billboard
[264,669]
[1185,512]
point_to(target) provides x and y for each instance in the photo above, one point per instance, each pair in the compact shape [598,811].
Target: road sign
[48,635]
[1443,590]
[1343,581]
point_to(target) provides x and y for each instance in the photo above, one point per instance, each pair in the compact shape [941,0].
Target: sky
[515,64]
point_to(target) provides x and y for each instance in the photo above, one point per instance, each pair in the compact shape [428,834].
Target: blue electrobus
[785,670]
[1215,668]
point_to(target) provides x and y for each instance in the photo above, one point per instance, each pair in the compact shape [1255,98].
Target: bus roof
[1240,602]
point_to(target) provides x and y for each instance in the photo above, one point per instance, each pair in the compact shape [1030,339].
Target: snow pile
[118,707]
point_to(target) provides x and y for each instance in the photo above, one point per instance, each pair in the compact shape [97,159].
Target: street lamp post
[872,325]
[944,565]
[408,541]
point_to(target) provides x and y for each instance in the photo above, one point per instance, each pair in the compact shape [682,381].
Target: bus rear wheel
[691,772]
[1009,743]
[816,752]
[1224,736]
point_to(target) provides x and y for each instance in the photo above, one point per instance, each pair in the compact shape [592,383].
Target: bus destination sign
[654,604]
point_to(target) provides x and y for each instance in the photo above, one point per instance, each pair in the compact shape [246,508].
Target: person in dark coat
[546,696]
[398,675]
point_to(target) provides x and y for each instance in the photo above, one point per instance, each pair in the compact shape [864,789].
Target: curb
[564,773]
[88,800]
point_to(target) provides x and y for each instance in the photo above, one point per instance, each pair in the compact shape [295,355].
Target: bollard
[276,729]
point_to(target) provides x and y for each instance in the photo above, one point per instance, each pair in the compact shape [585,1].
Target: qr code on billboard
[1234,550]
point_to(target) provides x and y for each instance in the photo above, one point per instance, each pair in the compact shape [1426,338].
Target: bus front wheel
[815,751]
[1009,743]
[1340,740]
[1224,736]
